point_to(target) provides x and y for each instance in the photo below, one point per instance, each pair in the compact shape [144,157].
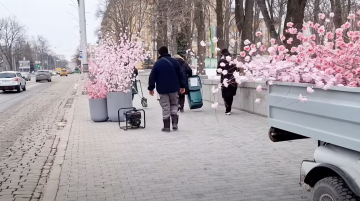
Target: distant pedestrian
[167,77]
[134,89]
[187,72]
[228,92]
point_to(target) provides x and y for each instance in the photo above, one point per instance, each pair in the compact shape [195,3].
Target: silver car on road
[12,80]
[42,75]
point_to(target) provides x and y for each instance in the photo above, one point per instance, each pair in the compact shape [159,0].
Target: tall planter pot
[328,115]
[115,101]
[98,109]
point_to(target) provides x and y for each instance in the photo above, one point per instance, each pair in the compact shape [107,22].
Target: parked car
[63,72]
[42,75]
[12,80]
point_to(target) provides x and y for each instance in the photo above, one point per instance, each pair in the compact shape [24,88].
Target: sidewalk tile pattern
[211,157]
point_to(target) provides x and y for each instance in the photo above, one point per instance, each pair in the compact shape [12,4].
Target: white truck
[24,68]
[333,118]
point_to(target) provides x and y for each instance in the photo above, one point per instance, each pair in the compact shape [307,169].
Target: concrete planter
[115,101]
[98,109]
[331,116]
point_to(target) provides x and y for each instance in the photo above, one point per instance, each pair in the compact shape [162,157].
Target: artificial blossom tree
[114,63]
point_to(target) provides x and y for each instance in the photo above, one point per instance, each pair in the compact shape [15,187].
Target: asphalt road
[11,99]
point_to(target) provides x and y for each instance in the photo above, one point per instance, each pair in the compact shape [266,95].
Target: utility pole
[83,40]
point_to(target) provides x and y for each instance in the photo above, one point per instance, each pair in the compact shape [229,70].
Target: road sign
[80,55]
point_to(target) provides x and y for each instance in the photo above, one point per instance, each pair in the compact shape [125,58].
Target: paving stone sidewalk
[211,157]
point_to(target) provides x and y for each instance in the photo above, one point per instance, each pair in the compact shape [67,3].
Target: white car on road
[12,80]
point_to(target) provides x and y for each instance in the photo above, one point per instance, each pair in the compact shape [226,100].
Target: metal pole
[83,44]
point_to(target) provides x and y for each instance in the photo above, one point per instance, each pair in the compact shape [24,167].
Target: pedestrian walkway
[211,157]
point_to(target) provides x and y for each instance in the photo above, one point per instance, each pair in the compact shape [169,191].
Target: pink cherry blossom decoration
[259,88]
[310,90]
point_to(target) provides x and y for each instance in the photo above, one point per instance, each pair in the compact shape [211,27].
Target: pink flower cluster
[328,57]
[332,59]
[96,89]
[113,62]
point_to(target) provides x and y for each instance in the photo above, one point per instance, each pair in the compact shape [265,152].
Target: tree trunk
[162,38]
[174,34]
[256,19]
[239,15]
[220,24]
[316,11]
[281,13]
[269,21]
[336,7]
[295,14]
[316,17]
[227,26]
[201,35]
[248,22]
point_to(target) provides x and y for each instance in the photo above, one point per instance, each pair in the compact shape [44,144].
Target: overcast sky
[52,19]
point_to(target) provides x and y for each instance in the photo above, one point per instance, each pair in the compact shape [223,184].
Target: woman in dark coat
[187,71]
[228,92]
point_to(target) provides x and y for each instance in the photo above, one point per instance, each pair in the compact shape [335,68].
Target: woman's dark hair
[225,52]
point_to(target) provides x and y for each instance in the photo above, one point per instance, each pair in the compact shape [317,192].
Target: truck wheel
[271,131]
[333,189]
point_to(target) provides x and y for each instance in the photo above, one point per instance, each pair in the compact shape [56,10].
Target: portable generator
[133,118]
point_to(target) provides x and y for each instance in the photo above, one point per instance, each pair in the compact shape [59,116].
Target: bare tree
[10,32]
[42,47]
[244,19]
[269,17]
[27,52]
[122,16]
[18,50]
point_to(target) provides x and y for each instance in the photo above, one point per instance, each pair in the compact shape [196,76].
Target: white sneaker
[227,113]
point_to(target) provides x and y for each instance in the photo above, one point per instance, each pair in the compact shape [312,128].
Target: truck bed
[331,116]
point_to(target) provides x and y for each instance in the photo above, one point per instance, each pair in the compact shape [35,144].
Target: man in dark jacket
[187,72]
[168,79]
[227,92]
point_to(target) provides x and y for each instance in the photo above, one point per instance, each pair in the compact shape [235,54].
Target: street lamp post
[83,43]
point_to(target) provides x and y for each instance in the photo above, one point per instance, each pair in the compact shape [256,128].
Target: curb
[52,184]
